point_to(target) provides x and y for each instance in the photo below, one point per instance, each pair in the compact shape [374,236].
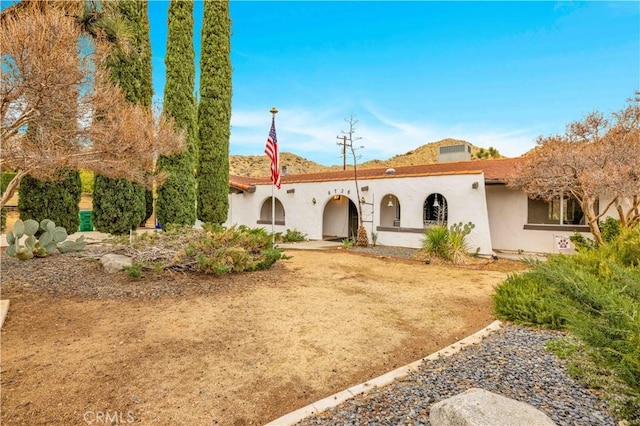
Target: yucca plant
[437,241]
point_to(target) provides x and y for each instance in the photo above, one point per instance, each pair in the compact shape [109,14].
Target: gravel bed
[388,251]
[79,275]
[512,362]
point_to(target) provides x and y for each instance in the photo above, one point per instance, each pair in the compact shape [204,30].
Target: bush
[293,236]
[87,177]
[57,201]
[595,294]
[118,205]
[437,241]
[525,300]
[6,178]
[211,250]
[610,229]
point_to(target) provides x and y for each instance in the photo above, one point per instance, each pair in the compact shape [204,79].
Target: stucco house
[399,203]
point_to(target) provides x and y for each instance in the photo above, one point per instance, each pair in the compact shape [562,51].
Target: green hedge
[57,201]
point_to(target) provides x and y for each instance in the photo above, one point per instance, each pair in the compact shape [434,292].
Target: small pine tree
[57,201]
[214,113]
[177,197]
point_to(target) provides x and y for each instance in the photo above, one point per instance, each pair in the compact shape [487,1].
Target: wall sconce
[362,200]
[474,185]
[336,197]
[313,200]
[390,204]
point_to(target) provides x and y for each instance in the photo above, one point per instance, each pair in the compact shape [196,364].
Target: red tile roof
[494,170]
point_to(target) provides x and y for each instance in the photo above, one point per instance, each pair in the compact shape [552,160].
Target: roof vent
[390,172]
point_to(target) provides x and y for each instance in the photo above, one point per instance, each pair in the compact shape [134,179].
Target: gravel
[512,362]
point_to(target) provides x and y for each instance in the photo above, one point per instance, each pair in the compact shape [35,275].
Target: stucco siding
[328,217]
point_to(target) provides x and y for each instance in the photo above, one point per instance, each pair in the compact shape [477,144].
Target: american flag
[272,152]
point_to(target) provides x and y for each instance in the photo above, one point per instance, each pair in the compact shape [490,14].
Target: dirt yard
[236,350]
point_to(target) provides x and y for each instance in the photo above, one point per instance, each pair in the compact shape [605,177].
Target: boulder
[478,407]
[114,262]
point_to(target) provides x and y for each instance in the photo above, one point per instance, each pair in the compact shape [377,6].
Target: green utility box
[86,224]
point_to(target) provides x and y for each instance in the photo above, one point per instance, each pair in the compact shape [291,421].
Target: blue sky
[494,73]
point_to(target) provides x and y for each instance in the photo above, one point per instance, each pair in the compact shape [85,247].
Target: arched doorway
[340,219]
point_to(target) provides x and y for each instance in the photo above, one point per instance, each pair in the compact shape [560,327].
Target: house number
[339,191]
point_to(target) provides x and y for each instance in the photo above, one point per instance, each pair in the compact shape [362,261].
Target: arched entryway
[339,219]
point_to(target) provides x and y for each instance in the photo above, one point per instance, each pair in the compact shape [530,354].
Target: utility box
[460,152]
[86,222]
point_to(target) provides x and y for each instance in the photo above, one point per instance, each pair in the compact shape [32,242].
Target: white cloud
[312,133]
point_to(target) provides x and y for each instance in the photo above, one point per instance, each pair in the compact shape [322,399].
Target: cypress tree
[57,201]
[214,113]
[177,197]
[119,205]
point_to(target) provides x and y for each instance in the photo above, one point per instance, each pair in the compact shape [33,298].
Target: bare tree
[597,160]
[59,110]
[362,239]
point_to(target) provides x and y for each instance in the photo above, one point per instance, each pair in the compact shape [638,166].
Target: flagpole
[273,112]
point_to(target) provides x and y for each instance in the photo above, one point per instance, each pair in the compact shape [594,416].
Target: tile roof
[494,170]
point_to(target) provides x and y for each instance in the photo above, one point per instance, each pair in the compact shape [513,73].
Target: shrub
[374,238]
[6,178]
[524,299]
[610,229]
[293,236]
[118,205]
[57,201]
[595,293]
[86,178]
[437,241]
[211,250]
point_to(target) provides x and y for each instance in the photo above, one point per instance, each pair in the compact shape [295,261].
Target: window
[435,211]
[565,211]
[265,212]
[390,211]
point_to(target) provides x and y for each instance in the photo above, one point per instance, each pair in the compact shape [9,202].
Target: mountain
[258,165]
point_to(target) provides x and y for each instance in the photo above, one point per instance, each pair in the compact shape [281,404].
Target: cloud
[312,133]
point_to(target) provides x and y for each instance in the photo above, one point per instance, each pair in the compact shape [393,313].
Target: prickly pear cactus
[52,239]
[69,246]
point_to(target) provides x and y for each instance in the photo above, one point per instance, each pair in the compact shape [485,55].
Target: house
[399,203]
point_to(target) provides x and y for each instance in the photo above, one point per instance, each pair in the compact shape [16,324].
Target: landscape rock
[114,262]
[478,407]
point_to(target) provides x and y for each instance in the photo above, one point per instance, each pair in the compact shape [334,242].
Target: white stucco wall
[465,204]
[507,219]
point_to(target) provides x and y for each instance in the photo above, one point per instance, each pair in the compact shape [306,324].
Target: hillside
[258,165]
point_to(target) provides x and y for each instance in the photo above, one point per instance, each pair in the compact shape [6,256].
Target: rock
[114,262]
[478,407]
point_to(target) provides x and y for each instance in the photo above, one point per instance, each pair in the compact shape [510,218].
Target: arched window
[435,210]
[390,211]
[265,212]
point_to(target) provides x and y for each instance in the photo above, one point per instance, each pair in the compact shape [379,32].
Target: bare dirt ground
[237,350]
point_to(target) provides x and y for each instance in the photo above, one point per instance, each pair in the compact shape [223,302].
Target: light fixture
[336,197]
[313,200]
[362,200]
[390,204]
